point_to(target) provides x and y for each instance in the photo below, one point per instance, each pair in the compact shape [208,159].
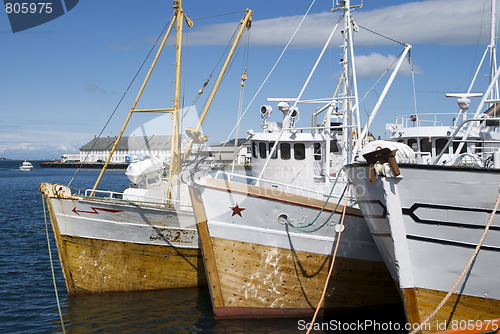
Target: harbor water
[27,298]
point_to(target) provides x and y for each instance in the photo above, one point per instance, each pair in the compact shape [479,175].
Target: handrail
[259,180]
[452,137]
[428,118]
[115,195]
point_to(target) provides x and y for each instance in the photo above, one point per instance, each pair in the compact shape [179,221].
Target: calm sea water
[27,297]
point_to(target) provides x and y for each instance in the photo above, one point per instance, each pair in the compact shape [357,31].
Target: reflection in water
[171,310]
[187,310]
[163,311]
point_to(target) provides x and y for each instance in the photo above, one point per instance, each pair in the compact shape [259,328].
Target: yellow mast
[178,16]
[194,133]
[175,154]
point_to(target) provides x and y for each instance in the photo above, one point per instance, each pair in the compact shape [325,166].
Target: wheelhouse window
[299,151]
[440,144]
[455,147]
[275,154]
[413,144]
[262,150]
[285,151]
[425,145]
[334,147]
[317,151]
[254,150]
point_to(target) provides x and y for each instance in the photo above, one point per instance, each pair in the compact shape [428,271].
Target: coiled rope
[464,272]
[334,256]
[52,264]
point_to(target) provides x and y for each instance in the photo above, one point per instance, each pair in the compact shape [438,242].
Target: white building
[128,149]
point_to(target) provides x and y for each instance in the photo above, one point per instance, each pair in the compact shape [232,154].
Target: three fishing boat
[292,237]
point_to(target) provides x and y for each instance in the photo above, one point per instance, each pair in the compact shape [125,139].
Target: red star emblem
[236,210]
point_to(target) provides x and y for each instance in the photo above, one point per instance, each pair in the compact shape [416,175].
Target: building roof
[241,141]
[133,143]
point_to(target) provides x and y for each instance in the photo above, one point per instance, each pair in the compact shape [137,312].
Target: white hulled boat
[26,166]
[144,238]
[268,239]
[432,220]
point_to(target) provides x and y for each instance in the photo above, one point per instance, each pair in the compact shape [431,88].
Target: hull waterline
[112,245]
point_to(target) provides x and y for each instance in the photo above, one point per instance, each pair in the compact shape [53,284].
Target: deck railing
[276,185]
[429,119]
[147,199]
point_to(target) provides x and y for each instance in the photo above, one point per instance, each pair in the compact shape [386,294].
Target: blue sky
[61,81]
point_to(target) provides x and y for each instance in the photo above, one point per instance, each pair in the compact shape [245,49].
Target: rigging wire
[201,90]
[473,66]
[54,282]
[219,15]
[244,77]
[121,99]
[419,144]
[269,74]
[383,36]
[372,88]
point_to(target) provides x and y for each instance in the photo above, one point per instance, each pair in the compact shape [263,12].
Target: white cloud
[375,64]
[40,144]
[422,22]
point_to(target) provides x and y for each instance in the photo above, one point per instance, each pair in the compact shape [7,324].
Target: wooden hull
[259,271]
[262,281]
[107,245]
[459,312]
[94,265]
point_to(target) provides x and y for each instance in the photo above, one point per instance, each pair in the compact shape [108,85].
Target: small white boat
[26,166]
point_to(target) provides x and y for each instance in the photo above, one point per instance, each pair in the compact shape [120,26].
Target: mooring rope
[341,227]
[52,264]
[464,272]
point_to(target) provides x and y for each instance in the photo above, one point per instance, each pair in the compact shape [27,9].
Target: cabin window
[262,150]
[299,151]
[254,149]
[334,147]
[285,151]
[275,154]
[425,145]
[455,147]
[440,144]
[317,151]
[413,144]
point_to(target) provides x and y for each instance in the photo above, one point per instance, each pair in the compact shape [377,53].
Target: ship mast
[492,93]
[175,158]
[349,94]
[194,133]
[493,48]
[179,15]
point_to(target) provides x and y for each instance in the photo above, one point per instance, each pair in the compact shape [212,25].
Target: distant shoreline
[93,165]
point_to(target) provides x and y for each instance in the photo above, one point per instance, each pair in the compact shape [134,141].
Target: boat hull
[259,267]
[427,223]
[115,245]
